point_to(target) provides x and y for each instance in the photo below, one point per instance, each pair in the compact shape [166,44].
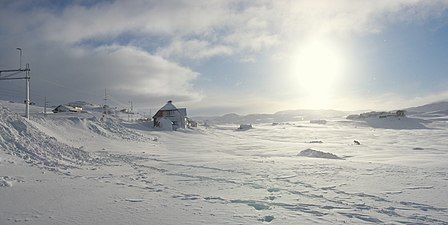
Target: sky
[228,56]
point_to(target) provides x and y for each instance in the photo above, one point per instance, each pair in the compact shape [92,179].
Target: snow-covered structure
[381,115]
[177,116]
[245,127]
[67,108]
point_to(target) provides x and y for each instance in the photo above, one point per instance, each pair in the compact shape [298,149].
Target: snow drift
[19,137]
[318,154]
[89,123]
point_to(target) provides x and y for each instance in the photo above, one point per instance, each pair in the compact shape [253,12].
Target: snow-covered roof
[168,106]
[67,108]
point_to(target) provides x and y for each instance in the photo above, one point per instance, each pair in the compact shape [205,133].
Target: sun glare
[315,69]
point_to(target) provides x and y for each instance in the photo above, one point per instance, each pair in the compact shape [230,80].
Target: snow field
[124,173]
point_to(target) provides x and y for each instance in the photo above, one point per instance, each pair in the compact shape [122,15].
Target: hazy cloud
[193,49]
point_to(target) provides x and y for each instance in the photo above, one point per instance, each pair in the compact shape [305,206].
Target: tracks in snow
[272,190]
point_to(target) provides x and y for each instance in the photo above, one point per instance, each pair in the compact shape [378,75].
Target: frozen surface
[85,169]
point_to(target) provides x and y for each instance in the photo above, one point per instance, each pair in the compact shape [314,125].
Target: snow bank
[19,137]
[318,122]
[109,127]
[395,123]
[318,154]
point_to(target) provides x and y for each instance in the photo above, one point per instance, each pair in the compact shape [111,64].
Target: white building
[177,116]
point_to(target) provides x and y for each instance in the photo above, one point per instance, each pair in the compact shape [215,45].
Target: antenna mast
[105,101]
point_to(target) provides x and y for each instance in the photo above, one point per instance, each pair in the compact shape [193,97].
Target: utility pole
[20,65]
[132,112]
[129,111]
[105,101]
[45,106]
[26,77]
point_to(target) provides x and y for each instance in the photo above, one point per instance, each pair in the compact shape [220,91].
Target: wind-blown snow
[111,171]
[20,138]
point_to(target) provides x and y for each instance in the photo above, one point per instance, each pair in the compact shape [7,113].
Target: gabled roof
[168,106]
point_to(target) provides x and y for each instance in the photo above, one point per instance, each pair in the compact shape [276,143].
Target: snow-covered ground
[80,168]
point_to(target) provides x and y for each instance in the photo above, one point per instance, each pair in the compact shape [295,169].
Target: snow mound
[108,127]
[20,138]
[318,154]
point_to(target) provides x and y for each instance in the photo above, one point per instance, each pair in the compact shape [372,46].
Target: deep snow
[84,169]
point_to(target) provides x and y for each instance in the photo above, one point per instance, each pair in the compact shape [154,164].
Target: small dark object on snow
[356,142]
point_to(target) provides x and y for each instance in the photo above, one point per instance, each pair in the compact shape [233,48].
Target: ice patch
[318,154]
[273,189]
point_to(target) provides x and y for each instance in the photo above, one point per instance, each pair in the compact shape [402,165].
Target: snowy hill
[437,111]
[432,107]
[420,117]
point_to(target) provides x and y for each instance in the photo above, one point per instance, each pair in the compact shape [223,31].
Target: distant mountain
[278,117]
[315,113]
[432,107]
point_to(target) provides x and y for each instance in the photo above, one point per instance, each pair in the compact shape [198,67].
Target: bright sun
[315,68]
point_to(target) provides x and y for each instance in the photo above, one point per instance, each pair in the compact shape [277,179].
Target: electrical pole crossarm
[15,70]
[15,78]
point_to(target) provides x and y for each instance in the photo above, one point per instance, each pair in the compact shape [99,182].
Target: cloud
[67,70]
[193,49]
[129,73]
[125,71]
[74,23]
[215,27]
[134,48]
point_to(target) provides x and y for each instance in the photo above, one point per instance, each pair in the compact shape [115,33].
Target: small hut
[178,116]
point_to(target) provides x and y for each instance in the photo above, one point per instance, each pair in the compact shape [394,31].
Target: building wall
[175,117]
